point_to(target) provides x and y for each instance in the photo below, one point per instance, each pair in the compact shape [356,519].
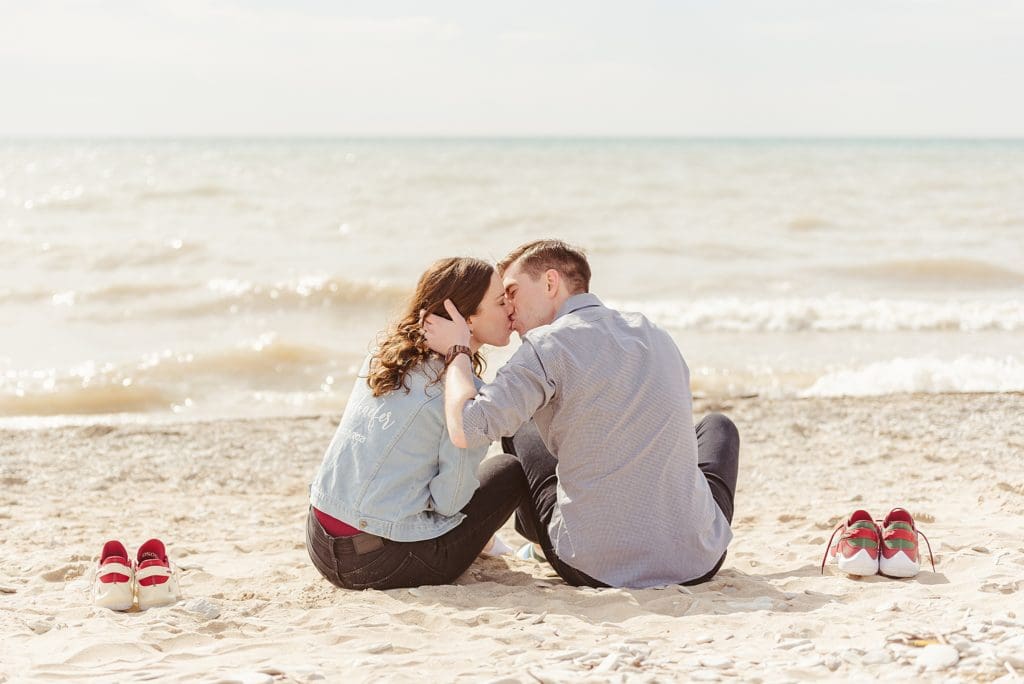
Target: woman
[394,503]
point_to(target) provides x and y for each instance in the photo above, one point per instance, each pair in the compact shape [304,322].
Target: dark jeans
[718,450]
[369,562]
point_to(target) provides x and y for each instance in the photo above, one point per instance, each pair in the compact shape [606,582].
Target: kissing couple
[602,465]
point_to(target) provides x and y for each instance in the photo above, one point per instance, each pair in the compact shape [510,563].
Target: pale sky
[929,68]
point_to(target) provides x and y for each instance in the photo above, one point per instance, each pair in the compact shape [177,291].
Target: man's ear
[552,278]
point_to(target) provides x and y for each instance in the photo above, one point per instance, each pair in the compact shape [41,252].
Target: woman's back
[394,502]
[391,469]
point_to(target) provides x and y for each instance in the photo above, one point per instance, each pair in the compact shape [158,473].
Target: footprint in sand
[64,573]
[996,587]
[416,618]
[829,524]
[215,627]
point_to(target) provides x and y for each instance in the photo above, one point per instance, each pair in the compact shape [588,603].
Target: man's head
[538,277]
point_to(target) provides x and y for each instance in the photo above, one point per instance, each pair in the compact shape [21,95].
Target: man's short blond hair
[540,255]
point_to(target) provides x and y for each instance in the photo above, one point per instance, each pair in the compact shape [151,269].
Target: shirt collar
[577,302]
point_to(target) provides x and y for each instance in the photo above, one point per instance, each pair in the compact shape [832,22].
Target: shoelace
[930,556]
[919,533]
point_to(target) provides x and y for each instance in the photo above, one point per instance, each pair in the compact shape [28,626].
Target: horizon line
[513,137]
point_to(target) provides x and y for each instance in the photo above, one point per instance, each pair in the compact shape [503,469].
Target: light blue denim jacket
[391,469]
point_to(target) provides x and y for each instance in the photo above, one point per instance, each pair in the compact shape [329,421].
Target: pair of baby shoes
[866,547]
[148,578]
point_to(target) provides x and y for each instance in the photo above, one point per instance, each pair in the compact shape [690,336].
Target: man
[623,490]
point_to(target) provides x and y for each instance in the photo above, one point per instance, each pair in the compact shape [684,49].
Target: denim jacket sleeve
[455,482]
[521,387]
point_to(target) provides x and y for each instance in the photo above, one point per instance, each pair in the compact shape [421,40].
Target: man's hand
[442,334]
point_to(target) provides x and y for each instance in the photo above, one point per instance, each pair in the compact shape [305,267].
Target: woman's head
[474,287]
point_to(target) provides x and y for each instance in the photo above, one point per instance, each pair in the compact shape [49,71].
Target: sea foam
[927,374]
[832,314]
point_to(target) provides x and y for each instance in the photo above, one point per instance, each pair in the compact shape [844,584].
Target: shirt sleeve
[453,486]
[521,387]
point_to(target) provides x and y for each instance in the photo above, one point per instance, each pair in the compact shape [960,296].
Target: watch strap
[454,351]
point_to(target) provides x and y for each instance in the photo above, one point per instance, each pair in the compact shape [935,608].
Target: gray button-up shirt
[610,394]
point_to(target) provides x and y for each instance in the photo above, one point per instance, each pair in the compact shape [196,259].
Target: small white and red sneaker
[856,552]
[900,555]
[157,582]
[114,587]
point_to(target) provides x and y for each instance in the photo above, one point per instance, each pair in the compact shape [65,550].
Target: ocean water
[211,278]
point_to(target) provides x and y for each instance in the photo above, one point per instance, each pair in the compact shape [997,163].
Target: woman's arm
[442,335]
[458,389]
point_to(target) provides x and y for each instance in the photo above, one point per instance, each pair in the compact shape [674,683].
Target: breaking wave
[923,375]
[832,314]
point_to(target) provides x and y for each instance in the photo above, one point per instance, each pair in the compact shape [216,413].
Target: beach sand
[229,499]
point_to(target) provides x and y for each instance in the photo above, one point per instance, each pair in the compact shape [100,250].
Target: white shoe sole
[899,565]
[860,564]
[114,595]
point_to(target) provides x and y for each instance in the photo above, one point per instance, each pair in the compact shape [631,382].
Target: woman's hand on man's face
[442,334]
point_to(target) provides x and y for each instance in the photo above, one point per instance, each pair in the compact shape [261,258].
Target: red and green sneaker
[900,555]
[856,552]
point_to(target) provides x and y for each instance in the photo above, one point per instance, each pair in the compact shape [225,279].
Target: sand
[229,499]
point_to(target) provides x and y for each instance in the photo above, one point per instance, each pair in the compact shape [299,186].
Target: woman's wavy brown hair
[463,280]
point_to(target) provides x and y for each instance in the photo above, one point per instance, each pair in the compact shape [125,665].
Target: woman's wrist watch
[454,351]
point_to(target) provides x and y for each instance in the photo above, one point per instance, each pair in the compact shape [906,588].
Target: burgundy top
[333,526]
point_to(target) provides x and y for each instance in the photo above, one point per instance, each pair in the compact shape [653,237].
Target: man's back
[633,508]
[609,393]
